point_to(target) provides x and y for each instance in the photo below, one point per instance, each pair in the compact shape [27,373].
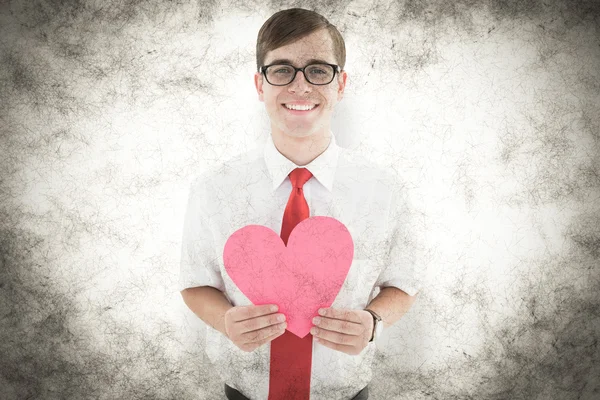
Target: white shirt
[254,188]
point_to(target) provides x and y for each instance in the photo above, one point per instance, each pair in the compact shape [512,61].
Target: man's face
[319,46]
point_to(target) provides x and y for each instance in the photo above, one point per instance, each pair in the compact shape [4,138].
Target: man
[300,78]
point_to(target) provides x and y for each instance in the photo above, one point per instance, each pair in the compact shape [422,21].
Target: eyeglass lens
[317,74]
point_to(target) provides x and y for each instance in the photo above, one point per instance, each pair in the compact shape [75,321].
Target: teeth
[303,108]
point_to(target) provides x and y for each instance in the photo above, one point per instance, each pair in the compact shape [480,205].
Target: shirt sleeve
[199,261]
[400,269]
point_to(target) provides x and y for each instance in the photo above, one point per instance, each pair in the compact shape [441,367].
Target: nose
[299,84]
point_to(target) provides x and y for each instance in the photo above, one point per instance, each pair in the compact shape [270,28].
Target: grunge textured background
[489,109]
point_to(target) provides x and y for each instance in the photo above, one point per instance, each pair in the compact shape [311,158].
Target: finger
[261,322]
[336,346]
[262,335]
[337,337]
[337,325]
[252,311]
[273,336]
[251,346]
[342,314]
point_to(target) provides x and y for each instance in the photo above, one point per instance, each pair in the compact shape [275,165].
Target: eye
[282,70]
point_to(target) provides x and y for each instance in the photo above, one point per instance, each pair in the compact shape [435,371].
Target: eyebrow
[311,61]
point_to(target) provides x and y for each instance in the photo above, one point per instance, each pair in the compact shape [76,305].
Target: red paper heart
[300,278]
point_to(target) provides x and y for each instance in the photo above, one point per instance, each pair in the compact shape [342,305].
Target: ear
[343,76]
[258,83]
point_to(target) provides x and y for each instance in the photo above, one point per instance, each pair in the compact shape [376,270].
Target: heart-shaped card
[300,278]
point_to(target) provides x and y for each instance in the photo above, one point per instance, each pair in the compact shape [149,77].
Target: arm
[209,304]
[200,282]
[391,304]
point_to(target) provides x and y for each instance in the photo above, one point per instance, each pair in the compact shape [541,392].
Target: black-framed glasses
[284,74]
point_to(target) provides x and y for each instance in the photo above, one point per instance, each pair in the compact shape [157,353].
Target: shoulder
[365,169]
[228,173]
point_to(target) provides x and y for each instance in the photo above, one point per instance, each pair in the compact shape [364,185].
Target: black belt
[233,394]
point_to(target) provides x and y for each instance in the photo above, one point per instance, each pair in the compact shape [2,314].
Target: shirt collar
[323,167]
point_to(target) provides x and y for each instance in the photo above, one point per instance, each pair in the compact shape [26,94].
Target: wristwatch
[377,325]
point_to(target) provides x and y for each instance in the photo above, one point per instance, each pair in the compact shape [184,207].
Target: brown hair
[287,26]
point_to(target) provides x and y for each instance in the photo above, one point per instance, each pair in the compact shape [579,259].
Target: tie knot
[299,177]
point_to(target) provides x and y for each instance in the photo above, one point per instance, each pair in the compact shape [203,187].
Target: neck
[301,150]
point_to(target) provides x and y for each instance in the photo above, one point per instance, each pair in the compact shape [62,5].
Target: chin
[299,132]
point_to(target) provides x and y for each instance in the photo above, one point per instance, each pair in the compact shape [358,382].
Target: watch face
[378,328]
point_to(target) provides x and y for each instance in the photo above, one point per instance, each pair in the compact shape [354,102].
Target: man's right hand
[249,327]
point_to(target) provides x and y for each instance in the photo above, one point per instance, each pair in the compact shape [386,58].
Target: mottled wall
[491,110]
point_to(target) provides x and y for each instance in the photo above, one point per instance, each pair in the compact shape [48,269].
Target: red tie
[291,357]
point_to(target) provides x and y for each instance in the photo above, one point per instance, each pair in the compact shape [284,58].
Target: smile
[302,109]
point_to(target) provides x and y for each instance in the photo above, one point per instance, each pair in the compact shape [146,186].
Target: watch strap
[376,318]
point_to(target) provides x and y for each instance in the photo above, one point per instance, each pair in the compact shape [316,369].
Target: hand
[348,331]
[250,327]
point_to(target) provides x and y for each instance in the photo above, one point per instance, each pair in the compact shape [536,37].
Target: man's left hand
[348,331]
